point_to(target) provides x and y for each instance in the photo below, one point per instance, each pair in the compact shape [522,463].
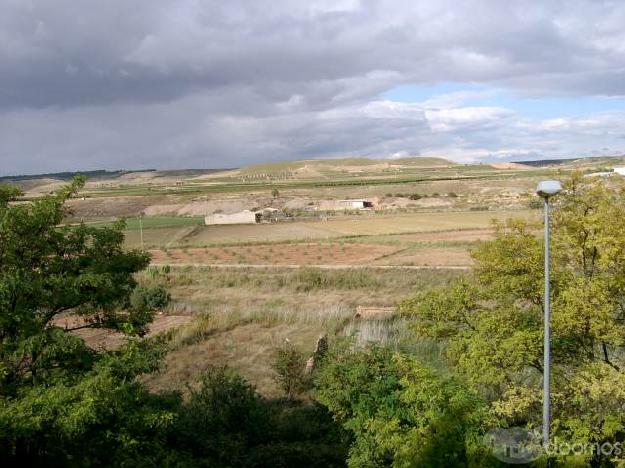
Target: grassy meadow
[242,316]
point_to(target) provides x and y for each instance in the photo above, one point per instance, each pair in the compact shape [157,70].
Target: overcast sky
[88,84]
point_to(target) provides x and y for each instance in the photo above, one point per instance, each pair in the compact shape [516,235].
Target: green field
[155,222]
[190,232]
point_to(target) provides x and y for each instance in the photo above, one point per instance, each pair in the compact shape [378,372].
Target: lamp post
[547,189]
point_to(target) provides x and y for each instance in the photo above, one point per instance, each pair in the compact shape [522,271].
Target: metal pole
[547,344]
[141,230]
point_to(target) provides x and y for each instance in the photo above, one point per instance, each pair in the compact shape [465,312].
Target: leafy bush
[225,423]
[399,412]
[149,298]
[289,364]
[100,418]
[220,419]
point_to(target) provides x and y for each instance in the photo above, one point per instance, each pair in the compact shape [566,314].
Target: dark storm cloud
[210,83]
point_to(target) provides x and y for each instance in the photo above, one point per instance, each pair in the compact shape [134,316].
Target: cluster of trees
[62,403]
[400,412]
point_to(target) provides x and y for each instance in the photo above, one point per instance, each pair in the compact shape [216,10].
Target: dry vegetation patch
[100,338]
[248,348]
[277,254]
[431,256]
[242,315]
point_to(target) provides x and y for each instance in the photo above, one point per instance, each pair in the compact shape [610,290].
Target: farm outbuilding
[600,174]
[341,205]
[242,217]
[356,204]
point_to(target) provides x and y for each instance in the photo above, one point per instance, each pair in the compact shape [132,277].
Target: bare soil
[283,254]
[469,235]
[100,338]
[441,257]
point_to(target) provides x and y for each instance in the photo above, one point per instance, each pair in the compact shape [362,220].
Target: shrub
[290,367]
[221,418]
[149,298]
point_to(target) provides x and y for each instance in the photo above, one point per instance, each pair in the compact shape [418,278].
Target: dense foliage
[489,328]
[65,404]
[47,270]
[400,412]
[491,324]
[289,365]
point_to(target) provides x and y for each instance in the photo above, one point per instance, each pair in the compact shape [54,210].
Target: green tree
[8,193]
[399,412]
[289,365]
[64,404]
[491,323]
[102,417]
[60,401]
[47,269]
[225,423]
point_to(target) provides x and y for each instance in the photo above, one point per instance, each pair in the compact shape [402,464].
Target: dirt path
[321,267]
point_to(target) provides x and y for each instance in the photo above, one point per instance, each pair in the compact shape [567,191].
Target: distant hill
[316,167]
[585,161]
[300,169]
[101,174]
[97,174]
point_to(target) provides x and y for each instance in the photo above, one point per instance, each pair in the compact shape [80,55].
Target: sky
[118,84]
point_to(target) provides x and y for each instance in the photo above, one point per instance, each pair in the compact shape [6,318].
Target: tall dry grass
[242,315]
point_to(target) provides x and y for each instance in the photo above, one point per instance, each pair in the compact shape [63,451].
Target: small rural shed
[599,174]
[242,217]
[357,204]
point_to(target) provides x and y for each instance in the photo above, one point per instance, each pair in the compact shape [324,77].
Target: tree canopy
[47,269]
[491,323]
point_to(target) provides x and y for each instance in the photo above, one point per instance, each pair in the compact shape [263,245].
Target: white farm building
[355,204]
[242,217]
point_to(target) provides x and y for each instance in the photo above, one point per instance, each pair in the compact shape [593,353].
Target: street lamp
[547,189]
